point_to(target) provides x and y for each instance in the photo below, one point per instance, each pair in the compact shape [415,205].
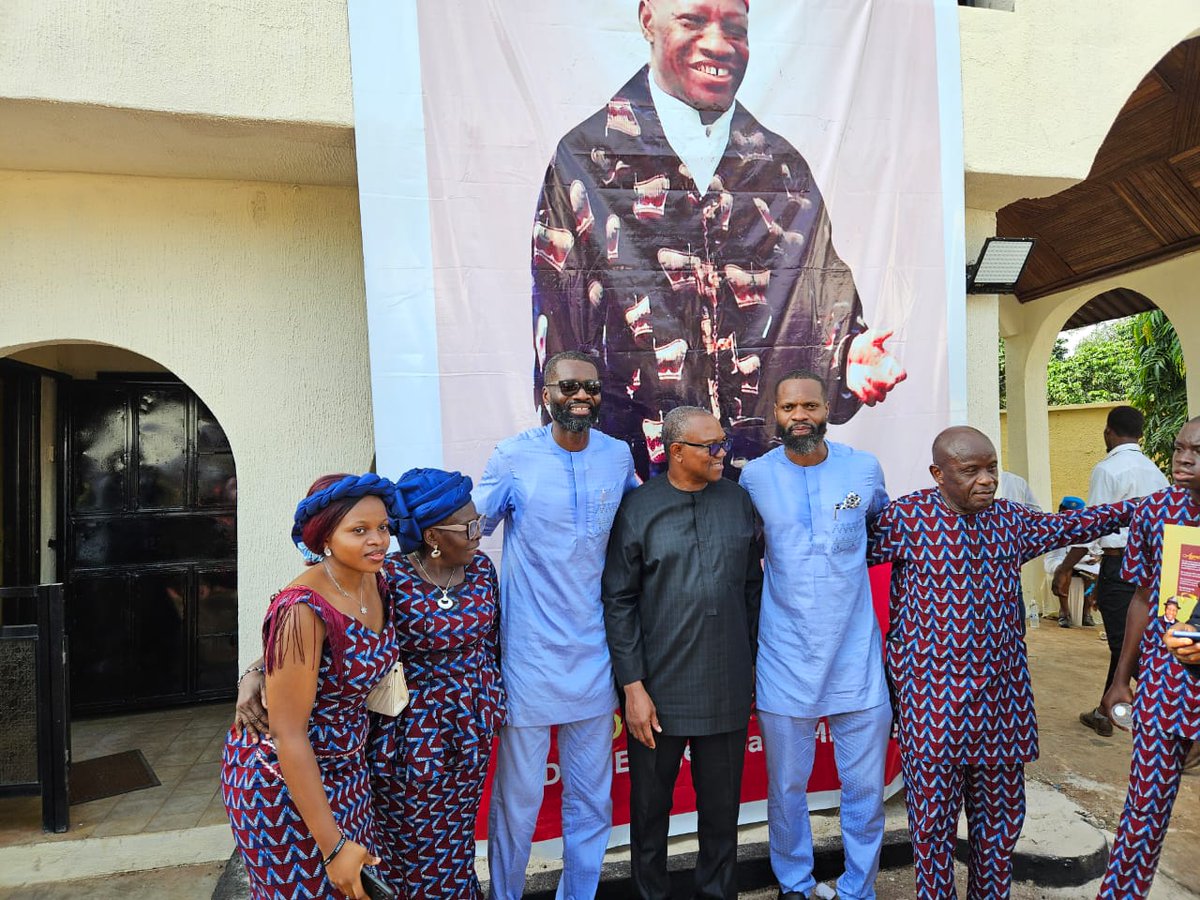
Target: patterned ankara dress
[960,674]
[430,761]
[282,859]
[1166,709]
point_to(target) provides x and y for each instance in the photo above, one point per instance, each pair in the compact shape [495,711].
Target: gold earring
[436,551]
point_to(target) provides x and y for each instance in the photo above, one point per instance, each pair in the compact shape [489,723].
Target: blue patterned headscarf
[428,496]
[356,486]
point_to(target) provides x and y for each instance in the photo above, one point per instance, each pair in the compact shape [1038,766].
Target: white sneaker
[824,892]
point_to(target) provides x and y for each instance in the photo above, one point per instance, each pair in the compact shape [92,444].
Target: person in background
[681,589]
[1124,473]
[299,798]
[1052,560]
[1014,487]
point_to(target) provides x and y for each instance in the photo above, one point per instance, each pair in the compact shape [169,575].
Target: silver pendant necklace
[445,601]
[362,604]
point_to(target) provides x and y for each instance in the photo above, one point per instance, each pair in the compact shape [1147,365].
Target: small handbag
[390,695]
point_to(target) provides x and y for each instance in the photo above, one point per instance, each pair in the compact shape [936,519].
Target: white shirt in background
[1124,473]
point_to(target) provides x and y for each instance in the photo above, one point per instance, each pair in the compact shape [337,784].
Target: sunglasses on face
[474,528]
[714,448]
[572,385]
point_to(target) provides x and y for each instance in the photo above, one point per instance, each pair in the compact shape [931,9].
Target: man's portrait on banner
[688,250]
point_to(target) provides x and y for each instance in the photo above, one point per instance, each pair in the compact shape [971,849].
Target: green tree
[1003,377]
[1101,369]
[1159,386]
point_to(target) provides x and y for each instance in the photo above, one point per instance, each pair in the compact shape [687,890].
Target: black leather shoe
[1097,721]
[791,895]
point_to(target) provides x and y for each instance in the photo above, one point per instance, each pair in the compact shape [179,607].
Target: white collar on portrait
[697,145]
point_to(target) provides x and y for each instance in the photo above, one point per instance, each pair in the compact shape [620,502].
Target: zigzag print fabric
[1167,698]
[282,858]
[430,762]
[1166,708]
[959,671]
[956,650]
[994,797]
[1154,775]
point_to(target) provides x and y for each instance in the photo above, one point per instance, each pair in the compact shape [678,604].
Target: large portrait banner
[702,195]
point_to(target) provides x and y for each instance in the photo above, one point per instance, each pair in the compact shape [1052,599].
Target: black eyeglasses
[572,385]
[474,528]
[713,448]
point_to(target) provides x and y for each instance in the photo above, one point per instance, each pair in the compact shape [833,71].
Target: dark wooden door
[20,477]
[152,576]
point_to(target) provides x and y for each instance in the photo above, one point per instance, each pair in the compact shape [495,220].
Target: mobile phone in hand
[375,886]
[1190,635]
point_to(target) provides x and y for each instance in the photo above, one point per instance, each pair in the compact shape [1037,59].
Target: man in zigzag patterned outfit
[956,656]
[1166,710]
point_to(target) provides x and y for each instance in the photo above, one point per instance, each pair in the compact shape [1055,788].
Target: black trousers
[717,779]
[1112,599]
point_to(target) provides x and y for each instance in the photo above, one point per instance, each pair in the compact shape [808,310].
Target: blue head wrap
[428,496]
[356,486]
[1071,503]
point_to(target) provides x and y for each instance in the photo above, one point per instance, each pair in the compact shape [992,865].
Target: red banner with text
[823,785]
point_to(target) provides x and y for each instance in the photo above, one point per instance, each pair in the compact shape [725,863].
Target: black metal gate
[35,726]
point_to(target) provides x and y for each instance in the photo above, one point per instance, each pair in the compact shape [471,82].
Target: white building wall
[1042,85]
[269,60]
[250,293]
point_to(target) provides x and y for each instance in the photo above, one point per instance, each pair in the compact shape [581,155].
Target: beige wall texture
[186,88]
[1076,445]
[1042,85]
[251,293]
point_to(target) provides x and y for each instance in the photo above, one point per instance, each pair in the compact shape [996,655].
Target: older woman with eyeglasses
[432,760]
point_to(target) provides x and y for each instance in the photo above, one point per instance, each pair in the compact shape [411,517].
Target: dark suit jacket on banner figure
[688,296]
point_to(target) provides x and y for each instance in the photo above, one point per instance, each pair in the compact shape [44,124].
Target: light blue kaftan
[819,646]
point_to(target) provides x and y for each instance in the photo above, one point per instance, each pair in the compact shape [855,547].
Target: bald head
[959,440]
[965,469]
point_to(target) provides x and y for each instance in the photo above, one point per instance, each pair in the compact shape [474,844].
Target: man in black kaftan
[681,590]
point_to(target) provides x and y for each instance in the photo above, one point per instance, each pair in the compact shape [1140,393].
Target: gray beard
[804,444]
[568,422]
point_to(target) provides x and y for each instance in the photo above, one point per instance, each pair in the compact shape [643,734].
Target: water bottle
[1121,715]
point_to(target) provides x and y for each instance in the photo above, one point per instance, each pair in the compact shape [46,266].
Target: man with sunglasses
[821,652]
[681,591]
[556,488]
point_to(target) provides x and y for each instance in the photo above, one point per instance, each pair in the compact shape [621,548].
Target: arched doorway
[139,483]
[1129,231]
